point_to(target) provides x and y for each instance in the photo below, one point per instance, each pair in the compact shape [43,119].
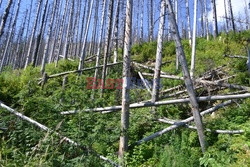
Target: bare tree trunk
[83,51]
[99,43]
[151,17]
[192,70]
[156,81]
[12,29]
[60,35]
[202,17]
[123,147]
[188,81]
[206,19]
[4,18]
[33,34]
[215,24]
[116,31]
[231,14]
[141,22]
[48,37]
[39,37]
[107,44]
[226,17]
[188,22]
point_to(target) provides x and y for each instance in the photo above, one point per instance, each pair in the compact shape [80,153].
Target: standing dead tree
[4,18]
[123,147]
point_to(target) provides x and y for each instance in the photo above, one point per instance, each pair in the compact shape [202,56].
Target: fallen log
[159,103]
[173,122]
[182,123]
[67,58]
[45,128]
[144,82]
[146,67]
[236,56]
[77,71]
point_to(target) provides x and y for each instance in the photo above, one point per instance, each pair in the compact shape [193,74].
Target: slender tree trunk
[125,86]
[33,34]
[188,81]
[202,17]
[107,44]
[141,22]
[188,22]
[60,35]
[231,14]
[151,15]
[12,29]
[39,37]
[48,37]
[192,70]
[116,31]
[156,81]
[66,43]
[226,17]
[215,24]
[83,52]
[206,19]
[4,18]
[99,42]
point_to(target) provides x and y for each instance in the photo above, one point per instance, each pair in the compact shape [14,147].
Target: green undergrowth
[22,144]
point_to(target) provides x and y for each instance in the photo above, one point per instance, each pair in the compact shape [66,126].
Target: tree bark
[4,18]
[206,20]
[215,24]
[33,34]
[156,81]
[192,70]
[123,147]
[188,23]
[231,14]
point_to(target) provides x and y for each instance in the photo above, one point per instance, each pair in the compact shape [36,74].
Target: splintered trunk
[188,81]
[107,44]
[125,86]
[83,51]
[12,29]
[231,14]
[215,24]
[39,37]
[192,70]
[33,34]
[4,18]
[156,81]
[188,22]
[45,53]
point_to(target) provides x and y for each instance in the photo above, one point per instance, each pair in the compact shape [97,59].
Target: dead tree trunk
[206,19]
[231,14]
[192,70]
[45,53]
[4,18]
[141,22]
[151,17]
[116,31]
[125,86]
[107,44]
[215,24]
[39,37]
[83,51]
[188,22]
[33,34]
[12,29]
[66,43]
[156,81]
[188,81]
